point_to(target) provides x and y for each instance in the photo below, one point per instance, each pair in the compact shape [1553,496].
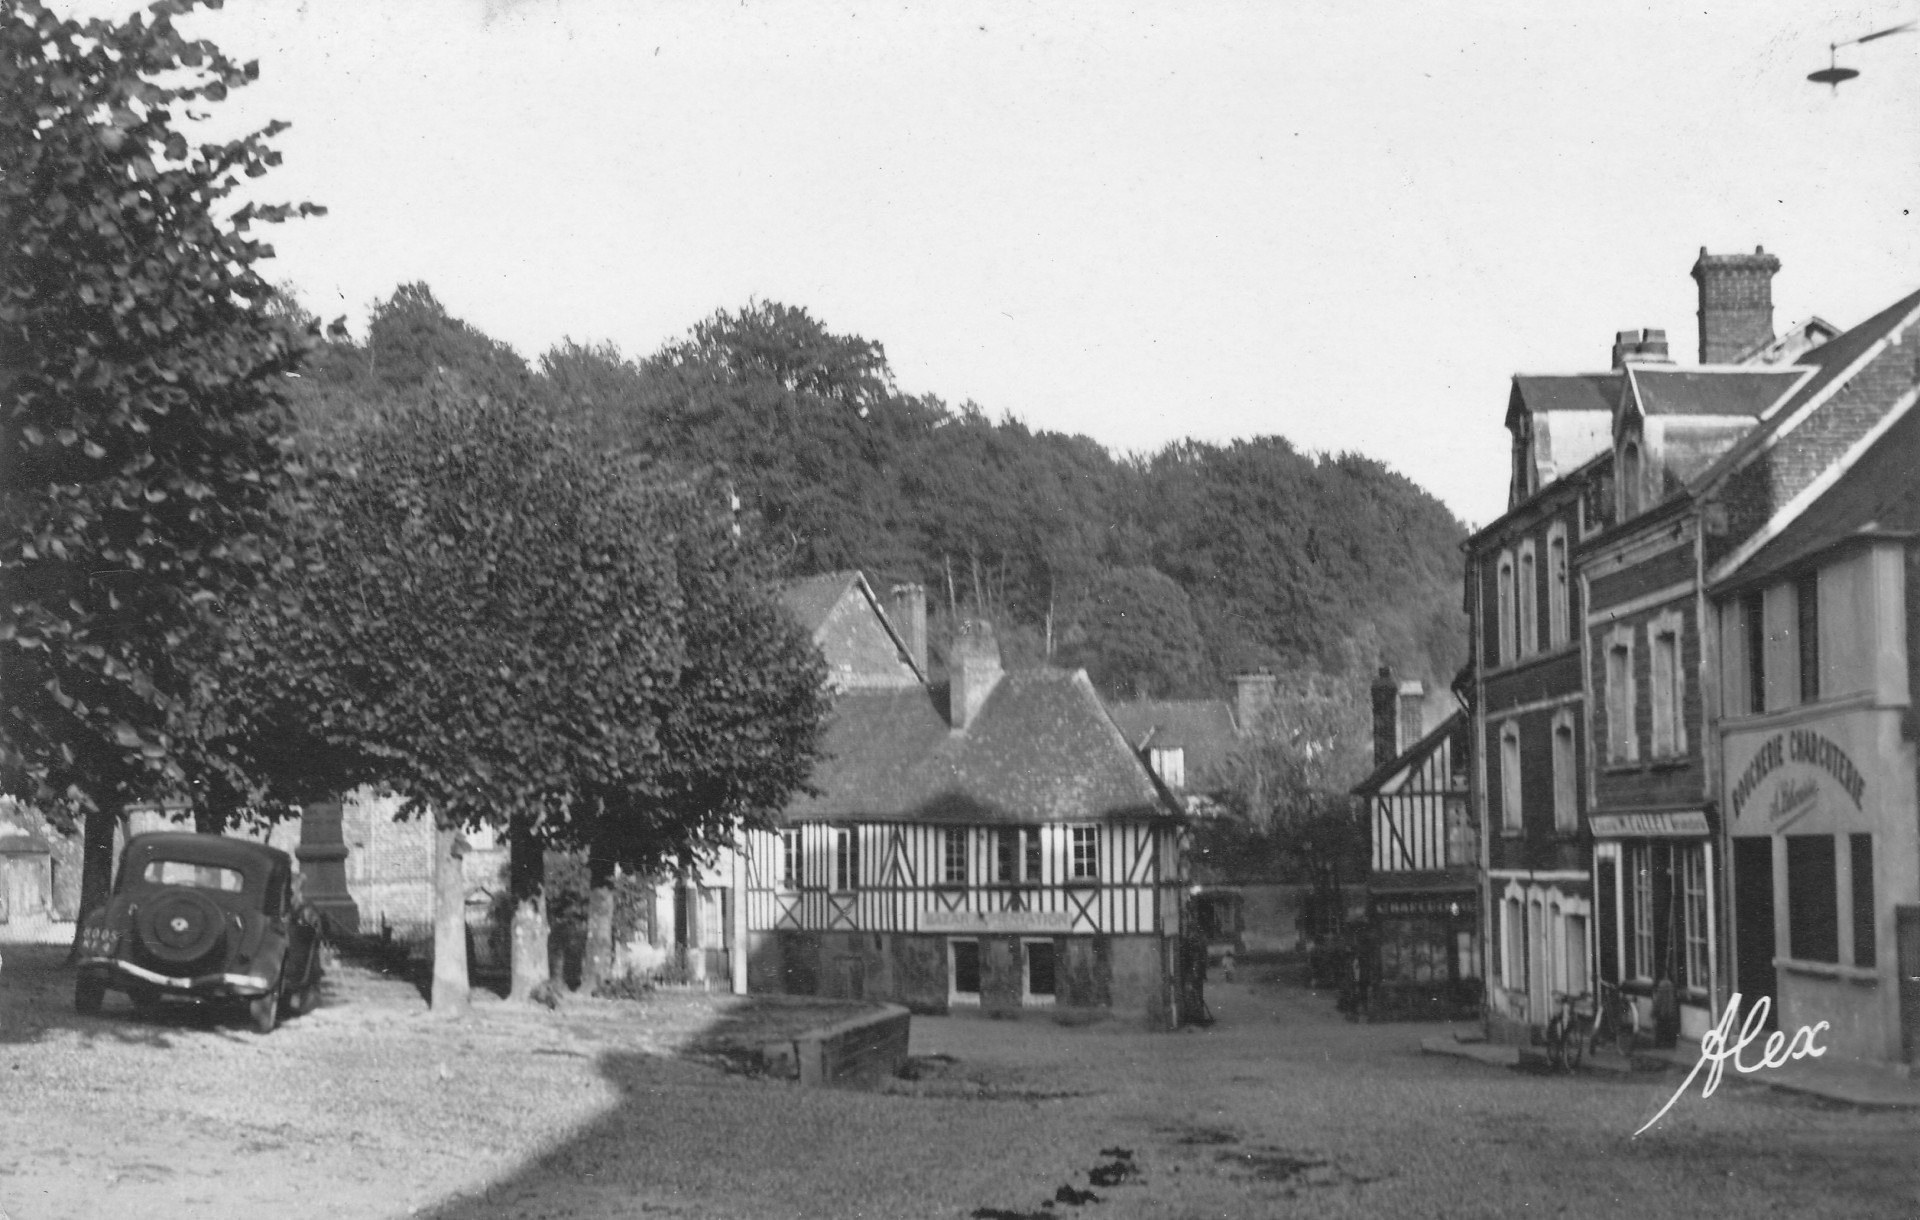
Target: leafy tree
[1141,642]
[1288,790]
[140,365]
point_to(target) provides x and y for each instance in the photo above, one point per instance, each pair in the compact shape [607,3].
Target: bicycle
[1616,1023]
[1569,1030]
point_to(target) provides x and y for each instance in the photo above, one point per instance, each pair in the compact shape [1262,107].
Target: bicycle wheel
[1557,1042]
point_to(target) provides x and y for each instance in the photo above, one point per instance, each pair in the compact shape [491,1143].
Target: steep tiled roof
[811,598]
[1041,749]
[1878,496]
[1203,728]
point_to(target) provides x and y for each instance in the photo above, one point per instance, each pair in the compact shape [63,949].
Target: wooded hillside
[1162,574]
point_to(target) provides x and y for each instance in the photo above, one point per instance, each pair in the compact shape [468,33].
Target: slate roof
[811,599]
[1829,361]
[1878,497]
[1563,392]
[1041,749]
[1203,728]
[1672,391]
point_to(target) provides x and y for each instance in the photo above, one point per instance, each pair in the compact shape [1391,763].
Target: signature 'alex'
[1715,1051]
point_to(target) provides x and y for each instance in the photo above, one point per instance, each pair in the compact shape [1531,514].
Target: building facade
[994,846]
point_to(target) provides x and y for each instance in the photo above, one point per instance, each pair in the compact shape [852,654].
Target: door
[1753,947]
[1906,926]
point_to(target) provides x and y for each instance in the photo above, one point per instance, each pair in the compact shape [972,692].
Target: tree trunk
[596,965]
[96,869]
[451,990]
[532,970]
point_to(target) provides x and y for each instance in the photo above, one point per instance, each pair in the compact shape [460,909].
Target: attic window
[1170,765]
[1630,476]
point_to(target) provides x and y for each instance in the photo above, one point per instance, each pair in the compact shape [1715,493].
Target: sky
[1348,225]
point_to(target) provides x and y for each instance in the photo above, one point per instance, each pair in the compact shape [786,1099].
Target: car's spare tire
[180,926]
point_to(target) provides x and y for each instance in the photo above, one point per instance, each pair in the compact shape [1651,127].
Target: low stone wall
[857,1053]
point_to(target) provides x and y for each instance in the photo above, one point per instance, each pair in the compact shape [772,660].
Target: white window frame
[1083,853]
[1636,878]
[1566,771]
[1170,765]
[1513,942]
[1620,706]
[1559,586]
[1512,794]
[950,838]
[790,876]
[846,859]
[1526,593]
[1669,688]
[1505,647]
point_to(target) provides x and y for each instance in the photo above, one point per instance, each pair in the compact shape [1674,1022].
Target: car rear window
[200,876]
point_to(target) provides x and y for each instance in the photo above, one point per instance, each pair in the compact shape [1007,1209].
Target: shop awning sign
[1691,824]
[996,921]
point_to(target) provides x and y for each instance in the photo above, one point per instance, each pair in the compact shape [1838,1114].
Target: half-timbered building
[1423,954]
[993,843]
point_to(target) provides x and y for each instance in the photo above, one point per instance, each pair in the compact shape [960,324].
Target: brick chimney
[909,613]
[1397,718]
[973,667]
[1736,303]
[1252,696]
[1647,346]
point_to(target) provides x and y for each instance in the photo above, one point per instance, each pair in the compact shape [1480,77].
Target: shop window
[846,859]
[1693,900]
[1559,588]
[1753,616]
[1506,650]
[1861,858]
[1669,681]
[953,856]
[1527,597]
[1510,811]
[1806,601]
[790,859]
[1086,853]
[1566,808]
[1638,879]
[1813,933]
[1040,986]
[1575,949]
[963,981]
[1623,737]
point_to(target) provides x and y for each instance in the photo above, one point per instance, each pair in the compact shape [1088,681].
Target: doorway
[1753,922]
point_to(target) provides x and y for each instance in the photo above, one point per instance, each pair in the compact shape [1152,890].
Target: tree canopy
[140,367]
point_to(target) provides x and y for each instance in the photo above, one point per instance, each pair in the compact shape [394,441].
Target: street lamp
[1833,73]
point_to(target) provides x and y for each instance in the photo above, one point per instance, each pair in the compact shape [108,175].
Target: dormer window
[1631,476]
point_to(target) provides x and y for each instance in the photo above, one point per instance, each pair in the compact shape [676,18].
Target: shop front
[1654,884]
[1425,953]
[1821,801]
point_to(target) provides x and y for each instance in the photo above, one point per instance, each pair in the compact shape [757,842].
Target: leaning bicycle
[1570,1029]
[1616,1023]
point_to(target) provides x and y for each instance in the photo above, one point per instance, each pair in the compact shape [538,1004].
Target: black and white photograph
[992,610]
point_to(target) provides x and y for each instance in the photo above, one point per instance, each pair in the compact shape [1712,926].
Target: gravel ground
[371,1107]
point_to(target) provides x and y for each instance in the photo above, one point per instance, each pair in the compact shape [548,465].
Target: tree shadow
[36,1004]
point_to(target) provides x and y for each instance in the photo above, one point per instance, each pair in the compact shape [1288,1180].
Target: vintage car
[206,917]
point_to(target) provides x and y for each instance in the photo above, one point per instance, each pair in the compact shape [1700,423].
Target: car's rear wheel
[89,993]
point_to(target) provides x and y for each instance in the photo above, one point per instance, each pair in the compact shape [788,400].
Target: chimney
[973,667]
[1647,346]
[1411,723]
[1736,303]
[910,620]
[1252,696]
[1386,718]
